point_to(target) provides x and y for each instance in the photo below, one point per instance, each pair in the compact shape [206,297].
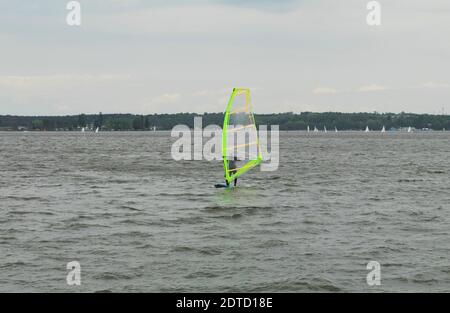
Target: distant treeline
[286,121]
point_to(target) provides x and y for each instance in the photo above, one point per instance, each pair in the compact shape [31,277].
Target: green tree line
[286,121]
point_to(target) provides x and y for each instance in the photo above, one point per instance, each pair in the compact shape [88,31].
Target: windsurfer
[232,168]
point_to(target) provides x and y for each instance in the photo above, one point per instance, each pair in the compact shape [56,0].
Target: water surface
[138,221]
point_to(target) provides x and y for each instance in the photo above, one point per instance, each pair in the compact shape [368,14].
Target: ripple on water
[118,200]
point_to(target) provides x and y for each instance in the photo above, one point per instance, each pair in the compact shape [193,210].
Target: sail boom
[241,128]
[244,169]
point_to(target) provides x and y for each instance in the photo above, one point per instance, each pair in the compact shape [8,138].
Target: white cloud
[212,92]
[50,80]
[166,102]
[196,48]
[324,91]
[208,21]
[200,93]
[166,98]
[435,85]
[372,87]
[60,93]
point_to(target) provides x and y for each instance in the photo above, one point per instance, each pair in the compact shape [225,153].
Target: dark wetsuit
[232,169]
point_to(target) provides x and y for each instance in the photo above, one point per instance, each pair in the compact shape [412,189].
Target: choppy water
[138,221]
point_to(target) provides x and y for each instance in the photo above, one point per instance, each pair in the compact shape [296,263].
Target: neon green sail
[240,140]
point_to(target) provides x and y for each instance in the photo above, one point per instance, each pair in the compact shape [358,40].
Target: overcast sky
[139,56]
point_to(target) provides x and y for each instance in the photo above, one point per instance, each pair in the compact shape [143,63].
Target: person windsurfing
[232,168]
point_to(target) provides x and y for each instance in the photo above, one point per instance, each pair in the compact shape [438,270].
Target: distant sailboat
[154,128]
[367,129]
[324,129]
[315,129]
[96,130]
[383,130]
[82,130]
[409,129]
[307,128]
[335,129]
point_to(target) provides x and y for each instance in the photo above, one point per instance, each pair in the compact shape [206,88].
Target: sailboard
[240,141]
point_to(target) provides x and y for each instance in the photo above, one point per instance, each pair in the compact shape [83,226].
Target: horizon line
[200,114]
